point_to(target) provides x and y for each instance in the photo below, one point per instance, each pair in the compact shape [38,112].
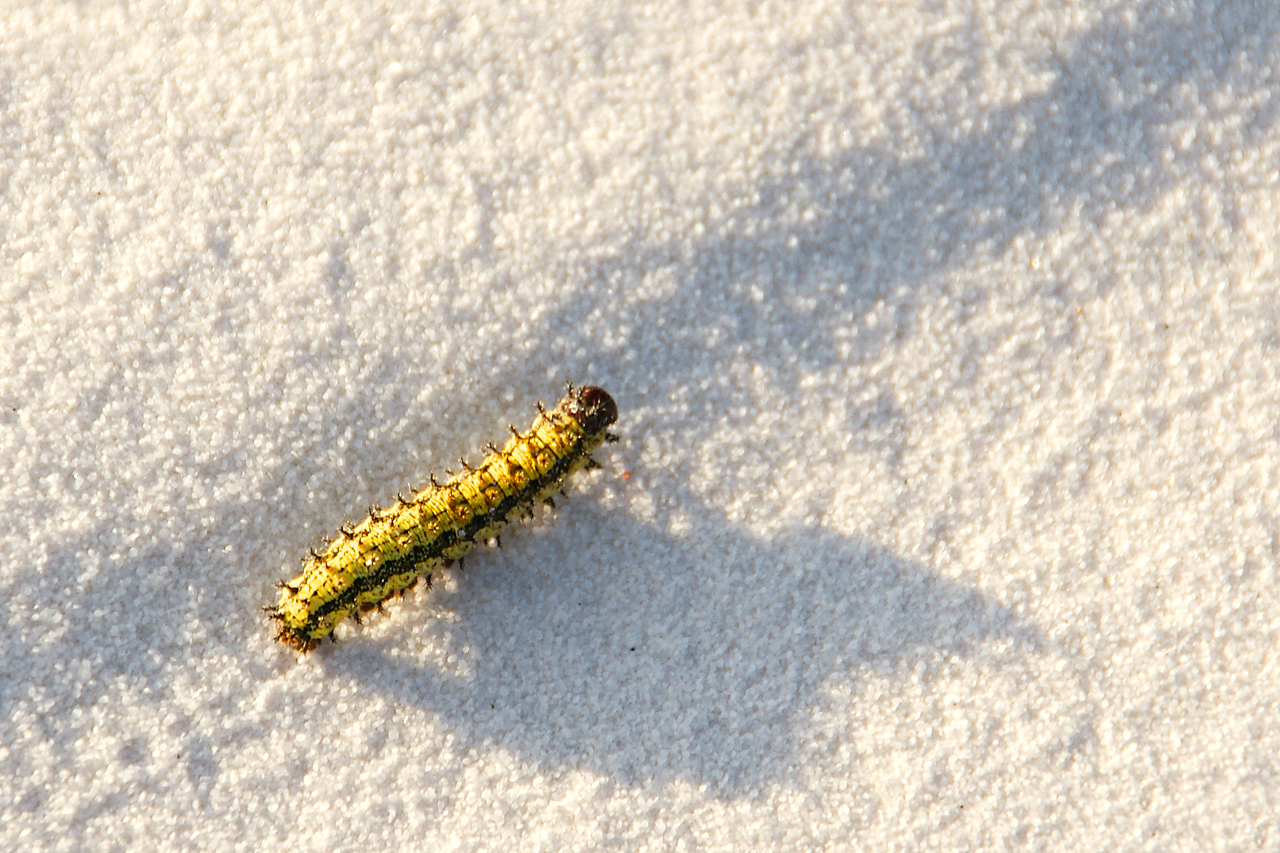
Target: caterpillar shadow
[649,657]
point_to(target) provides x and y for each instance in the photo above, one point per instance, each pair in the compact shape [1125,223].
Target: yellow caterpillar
[388,552]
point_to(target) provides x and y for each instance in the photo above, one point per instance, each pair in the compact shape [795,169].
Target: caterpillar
[388,552]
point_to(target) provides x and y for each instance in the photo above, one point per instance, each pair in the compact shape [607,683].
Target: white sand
[945,340]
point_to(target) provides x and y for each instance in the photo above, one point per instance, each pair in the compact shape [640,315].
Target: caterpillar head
[592,408]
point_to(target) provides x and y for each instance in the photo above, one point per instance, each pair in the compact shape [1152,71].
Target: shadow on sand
[649,657]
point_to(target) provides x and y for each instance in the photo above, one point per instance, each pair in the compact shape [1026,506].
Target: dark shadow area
[793,273]
[92,626]
[658,657]
[126,602]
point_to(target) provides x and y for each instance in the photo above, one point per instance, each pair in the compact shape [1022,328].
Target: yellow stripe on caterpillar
[392,549]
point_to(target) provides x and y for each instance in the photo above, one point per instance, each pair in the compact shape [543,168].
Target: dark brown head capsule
[592,408]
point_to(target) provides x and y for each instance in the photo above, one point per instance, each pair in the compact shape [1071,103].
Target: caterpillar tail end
[298,641]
